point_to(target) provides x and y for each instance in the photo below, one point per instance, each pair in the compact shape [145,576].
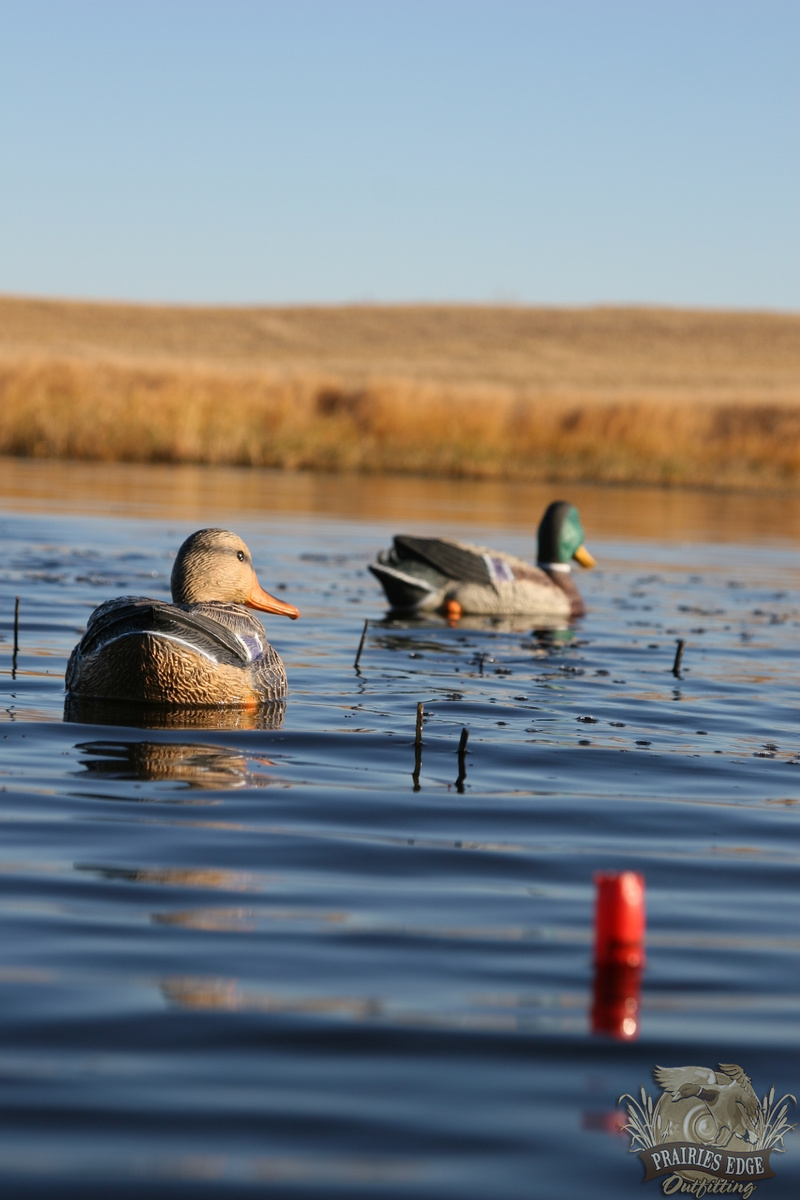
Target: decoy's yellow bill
[258,598]
[583,556]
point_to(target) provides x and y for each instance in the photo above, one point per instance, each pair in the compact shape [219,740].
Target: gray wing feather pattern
[134,618]
[454,561]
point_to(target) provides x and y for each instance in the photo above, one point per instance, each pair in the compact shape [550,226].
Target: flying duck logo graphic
[708,1134]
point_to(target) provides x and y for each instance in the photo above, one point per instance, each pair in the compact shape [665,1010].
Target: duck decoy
[438,575]
[203,649]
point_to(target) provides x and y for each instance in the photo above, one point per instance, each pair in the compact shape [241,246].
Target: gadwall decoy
[203,649]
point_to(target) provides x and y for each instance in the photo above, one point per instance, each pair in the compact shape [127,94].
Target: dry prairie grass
[635,396]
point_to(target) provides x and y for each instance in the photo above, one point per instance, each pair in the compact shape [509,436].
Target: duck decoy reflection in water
[438,575]
[194,765]
[203,649]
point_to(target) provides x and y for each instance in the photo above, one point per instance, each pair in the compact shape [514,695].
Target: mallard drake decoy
[205,648]
[438,575]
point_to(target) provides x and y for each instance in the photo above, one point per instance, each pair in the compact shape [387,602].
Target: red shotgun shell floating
[619,921]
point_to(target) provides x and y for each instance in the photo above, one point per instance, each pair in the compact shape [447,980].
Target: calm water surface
[259,957]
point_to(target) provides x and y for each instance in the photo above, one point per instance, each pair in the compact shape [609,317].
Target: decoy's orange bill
[583,556]
[258,598]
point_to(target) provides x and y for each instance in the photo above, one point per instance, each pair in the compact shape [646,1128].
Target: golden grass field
[633,395]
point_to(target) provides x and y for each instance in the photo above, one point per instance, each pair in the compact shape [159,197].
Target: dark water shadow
[78,710]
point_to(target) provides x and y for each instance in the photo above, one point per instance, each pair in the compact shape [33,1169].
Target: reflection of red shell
[615,1000]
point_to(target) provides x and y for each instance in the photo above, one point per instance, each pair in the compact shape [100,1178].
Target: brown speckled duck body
[204,649]
[426,575]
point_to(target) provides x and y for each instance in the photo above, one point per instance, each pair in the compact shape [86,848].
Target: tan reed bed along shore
[604,394]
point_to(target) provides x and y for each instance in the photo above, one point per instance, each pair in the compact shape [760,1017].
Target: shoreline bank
[624,396]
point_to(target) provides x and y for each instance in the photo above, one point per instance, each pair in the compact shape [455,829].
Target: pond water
[248,960]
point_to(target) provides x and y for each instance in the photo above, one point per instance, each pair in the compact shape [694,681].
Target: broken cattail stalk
[462,744]
[418,746]
[361,644]
[16,636]
[462,765]
[676,666]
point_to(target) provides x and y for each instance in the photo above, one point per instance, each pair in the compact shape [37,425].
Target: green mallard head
[561,536]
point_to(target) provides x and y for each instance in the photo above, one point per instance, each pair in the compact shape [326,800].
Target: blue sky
[324,151]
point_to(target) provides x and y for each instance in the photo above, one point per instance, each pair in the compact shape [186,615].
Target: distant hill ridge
[567,350]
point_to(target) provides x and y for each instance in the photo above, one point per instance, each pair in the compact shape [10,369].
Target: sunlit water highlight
[240,959]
